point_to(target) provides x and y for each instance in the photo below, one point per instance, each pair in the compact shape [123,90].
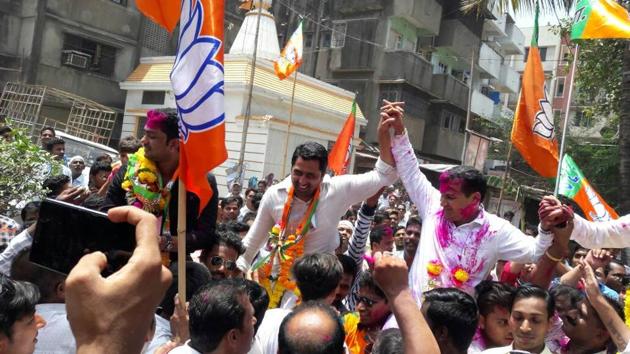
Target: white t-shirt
[266,339]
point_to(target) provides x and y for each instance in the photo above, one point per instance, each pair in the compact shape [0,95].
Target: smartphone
[66,232]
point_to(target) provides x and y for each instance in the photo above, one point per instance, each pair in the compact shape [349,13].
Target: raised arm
[390,274]
[608,234]
[514,245]
[420,190]
[258,234]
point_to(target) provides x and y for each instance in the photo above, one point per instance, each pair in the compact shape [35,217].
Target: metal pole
[468,111]
[505,176]
[566,120]
[248,109]
[286,143]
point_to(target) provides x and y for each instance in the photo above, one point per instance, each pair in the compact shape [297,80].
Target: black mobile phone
[66,232]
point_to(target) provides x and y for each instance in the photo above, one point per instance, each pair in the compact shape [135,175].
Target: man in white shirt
[317,276]
[221,320]
[460,241]
[77,169]
[337,194]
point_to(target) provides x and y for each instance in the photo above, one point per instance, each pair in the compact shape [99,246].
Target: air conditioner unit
[75,59]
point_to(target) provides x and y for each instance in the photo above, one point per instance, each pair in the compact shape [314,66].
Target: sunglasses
[367,301]
[218,261]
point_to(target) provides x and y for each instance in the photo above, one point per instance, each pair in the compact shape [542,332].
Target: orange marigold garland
[285,250]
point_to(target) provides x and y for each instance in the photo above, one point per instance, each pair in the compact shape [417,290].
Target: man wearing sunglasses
[221,258]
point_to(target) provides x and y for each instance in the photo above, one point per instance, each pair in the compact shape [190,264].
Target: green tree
[23,169]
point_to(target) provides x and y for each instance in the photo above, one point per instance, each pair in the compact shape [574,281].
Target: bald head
[312,328]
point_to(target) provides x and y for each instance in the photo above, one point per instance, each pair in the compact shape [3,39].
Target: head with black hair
[221,258]
[161,136]
[5,132]
[249,219]
[19,323]
[372,304]
[308,166]
[127,146]
[380,217]
[30,213]
[349,267]
[221,318]
[389,341]
[56,147]
[413,231]
[463,189]
[530,317]
[249,198]
[317,275]
[311,328]
[615,273]
[99,173]
[239,228]
[231,208]
[581,322]
[260,300]
[382,238]
[51,285]
[197,275]
[256,200]
[452,316]
[45,134]
[56,184]
[494,300]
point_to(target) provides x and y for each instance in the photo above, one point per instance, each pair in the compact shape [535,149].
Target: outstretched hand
[394,113]
[112,314]
[391,274]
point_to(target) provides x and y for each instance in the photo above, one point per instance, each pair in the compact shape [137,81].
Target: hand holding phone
[66,232]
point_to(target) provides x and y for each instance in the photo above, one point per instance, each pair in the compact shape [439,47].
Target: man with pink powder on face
[460,241]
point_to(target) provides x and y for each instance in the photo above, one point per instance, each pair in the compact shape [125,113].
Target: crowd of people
[380,262]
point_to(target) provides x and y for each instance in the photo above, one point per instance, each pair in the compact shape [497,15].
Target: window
[308,39]
[560,87]
[325,40]
[451,122]
[339,34]
[85,54]
[541,50]
[153,97]
[581,119]
[543,53]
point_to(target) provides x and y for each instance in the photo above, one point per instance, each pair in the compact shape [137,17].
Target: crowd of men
[390,263]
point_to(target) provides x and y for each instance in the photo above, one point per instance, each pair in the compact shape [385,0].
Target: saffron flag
[533,129]
[291,57]
[600,19]
[197,80]
[574,185]
[339,156]
[163,12]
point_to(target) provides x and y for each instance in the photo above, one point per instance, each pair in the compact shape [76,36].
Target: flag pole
[505,176]
[566,120]
[468,110]
[248,108]
[181,241]
[286,143]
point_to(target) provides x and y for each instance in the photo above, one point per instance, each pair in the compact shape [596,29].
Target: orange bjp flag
[198,86]
[163,12]
[339,156]
[533,132]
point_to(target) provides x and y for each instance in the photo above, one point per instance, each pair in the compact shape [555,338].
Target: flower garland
[459,275]
[144,185]
[285,250]
[626,307]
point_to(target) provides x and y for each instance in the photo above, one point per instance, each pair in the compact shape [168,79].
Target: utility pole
[315,52]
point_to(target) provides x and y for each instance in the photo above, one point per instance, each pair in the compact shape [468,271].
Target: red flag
[339,156]
[163,12]
[197,80]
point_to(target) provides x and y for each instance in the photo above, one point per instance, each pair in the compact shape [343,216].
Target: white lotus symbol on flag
[543,122]
[197,75]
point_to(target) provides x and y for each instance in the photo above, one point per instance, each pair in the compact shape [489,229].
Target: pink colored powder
[155,120]
[469,211]
[447,183]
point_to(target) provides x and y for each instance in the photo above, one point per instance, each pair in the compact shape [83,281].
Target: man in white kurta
[472,245]
[336,196]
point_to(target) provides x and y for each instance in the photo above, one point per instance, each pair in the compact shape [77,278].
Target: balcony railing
[450,89]
[410,66]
